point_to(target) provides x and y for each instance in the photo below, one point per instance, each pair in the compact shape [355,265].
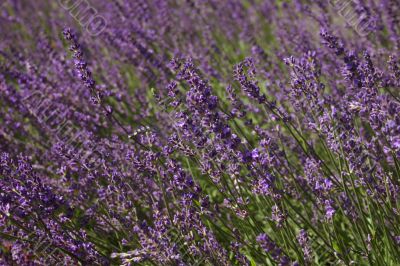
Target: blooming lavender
[200,133]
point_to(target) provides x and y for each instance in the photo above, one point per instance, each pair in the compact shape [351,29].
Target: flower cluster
[200,133]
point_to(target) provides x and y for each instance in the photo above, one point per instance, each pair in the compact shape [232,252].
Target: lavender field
[200,132]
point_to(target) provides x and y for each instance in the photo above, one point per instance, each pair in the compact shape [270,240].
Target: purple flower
[329,210]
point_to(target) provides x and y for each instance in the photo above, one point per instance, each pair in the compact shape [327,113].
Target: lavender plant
[233,132]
